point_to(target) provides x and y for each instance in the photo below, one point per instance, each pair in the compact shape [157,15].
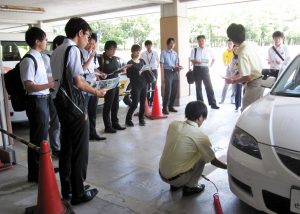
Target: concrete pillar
[174,23]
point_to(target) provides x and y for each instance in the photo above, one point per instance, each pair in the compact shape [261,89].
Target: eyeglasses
[88,35]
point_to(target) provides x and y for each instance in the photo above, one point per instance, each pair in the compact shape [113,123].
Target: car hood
[274,120]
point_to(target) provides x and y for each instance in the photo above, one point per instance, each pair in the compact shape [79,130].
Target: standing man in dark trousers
[35,81]
[151,58]
[66,65]
[202,60]
[90,67]
[169,63]
[108,64]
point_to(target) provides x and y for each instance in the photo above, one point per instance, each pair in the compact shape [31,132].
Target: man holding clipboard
[110,65]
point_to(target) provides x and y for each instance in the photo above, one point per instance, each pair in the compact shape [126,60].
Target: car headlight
[245,142]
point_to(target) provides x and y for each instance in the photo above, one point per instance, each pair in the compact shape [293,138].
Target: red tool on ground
[217,202]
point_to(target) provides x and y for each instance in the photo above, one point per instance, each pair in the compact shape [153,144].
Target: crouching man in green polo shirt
[186,151]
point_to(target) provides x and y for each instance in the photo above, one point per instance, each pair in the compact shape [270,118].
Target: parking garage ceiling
[16,13]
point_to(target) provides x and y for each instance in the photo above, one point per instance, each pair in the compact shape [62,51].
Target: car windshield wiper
[286,94]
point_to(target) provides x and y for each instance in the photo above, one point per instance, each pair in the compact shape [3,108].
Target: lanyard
[150,58]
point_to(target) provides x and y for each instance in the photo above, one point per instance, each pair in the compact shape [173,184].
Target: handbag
[190,74]
[190,77]
[149,76]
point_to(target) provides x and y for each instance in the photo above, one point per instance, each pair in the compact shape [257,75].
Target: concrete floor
[125,169]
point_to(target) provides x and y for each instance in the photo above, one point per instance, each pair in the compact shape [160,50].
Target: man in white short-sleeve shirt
[35,81]
[202,60]
[278,55]
[73,158]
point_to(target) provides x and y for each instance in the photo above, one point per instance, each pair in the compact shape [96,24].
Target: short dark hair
[57,41]
[236,32]
[94,37]
[75,25]
[278,34]
[33,34]
[110,44]
[148,42]
[200,37]
[195,109]
[135,47]
[169,40]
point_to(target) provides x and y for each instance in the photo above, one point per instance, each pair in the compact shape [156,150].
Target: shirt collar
[192,123]
[35,53]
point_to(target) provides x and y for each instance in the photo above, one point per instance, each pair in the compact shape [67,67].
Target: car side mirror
[268,82]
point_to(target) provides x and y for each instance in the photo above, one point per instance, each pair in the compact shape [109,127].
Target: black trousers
[37,110]
[91,103]
[201,74]
[138,95]
[171,88]
[111,107]
[54,128]
[151,87]
[73,160]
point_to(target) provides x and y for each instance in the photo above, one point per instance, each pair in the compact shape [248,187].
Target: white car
[264,151]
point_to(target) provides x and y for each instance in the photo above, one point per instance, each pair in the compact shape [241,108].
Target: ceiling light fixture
[13,8]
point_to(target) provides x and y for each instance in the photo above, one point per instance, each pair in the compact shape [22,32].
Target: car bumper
[265,183]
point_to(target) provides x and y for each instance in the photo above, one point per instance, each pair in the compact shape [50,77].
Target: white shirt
[273,57]
[38,77]
[151,58]
[204,55]
[90,71]
[46,60]
[73,63]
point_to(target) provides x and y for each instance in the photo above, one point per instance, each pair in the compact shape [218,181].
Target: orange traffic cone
[156,109]
[147,111]
[49,201]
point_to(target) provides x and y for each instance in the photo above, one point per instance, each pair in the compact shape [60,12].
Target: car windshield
[289,82]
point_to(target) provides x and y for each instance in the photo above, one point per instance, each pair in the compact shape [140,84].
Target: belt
[45,96]
[171,69]
[170,179]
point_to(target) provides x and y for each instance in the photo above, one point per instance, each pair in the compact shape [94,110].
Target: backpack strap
[278,53]
[33,59]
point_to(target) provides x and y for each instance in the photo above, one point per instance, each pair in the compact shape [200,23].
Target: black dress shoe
[55,153]
[165,111]
[110,130]
[129,123]
[97,137]
[33,180]
[87,196]
[171,109]
[215,107]
[174,188]
[68,196]
[118,127]
[142,123]
[56,169]
[186,191]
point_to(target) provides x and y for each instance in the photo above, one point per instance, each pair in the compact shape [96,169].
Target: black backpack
[14,86]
